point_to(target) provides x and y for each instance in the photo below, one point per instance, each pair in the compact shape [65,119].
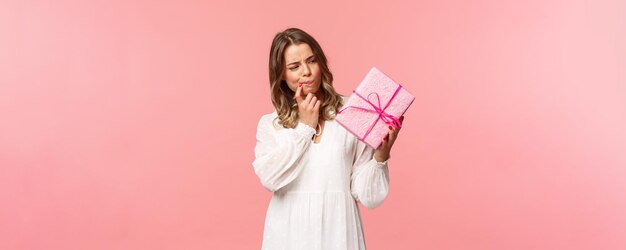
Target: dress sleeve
[369,179]
[279,152]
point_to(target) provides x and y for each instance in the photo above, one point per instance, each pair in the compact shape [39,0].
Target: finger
[298,95]
[396,130]
[384,142]
[307,100]
[316,108]
[393,134]
[312,103]
[401,119]
[393,129]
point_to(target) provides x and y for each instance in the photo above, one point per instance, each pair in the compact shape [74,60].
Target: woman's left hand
[383,151]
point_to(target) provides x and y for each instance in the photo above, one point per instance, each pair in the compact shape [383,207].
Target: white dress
[316,186]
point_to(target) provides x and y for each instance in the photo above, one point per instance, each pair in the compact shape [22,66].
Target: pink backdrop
[131,124]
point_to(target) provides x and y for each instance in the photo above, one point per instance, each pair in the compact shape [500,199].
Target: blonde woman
[315,168]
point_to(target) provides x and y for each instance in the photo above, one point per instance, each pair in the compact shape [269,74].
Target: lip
[307,83]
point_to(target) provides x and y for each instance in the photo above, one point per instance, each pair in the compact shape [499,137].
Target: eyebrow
[297,62]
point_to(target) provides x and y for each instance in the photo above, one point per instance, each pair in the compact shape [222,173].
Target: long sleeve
[369,179]
[278,152]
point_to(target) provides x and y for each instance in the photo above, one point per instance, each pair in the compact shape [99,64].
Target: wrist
[304,129]
[381,159]
[310,124]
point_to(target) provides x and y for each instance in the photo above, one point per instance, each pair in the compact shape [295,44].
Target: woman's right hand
[308,108]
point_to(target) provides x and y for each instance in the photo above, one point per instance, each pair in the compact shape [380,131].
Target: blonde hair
[282,95]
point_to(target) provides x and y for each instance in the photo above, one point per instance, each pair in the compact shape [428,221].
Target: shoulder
[268,119]
[269,116]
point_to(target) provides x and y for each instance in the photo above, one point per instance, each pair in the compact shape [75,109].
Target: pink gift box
[377,103]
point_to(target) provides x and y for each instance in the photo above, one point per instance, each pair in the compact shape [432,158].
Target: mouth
[308,83]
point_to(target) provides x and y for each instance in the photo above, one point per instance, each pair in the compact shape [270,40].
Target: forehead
[297,52]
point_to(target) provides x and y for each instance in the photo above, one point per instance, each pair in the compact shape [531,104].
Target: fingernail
[390,127]
[385,139]
[299,84]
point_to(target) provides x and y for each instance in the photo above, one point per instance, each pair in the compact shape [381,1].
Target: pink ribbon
[382,115]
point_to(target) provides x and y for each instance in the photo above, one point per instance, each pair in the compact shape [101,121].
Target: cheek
[318,73]
[318,76]
[292,78]
[292,81]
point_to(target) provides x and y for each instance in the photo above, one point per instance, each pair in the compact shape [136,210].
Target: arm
[279,152]
[369,178]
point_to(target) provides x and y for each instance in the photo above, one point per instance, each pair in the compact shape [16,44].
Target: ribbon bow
[382,115]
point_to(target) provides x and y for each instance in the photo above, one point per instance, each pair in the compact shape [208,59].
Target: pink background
[131,124]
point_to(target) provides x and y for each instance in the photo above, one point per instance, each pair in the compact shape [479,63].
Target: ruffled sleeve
[278,152]
[369,178]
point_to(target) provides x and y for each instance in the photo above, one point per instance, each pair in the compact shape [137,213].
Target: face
[302,67]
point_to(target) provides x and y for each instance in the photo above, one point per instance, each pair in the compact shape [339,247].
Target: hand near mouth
[308,107]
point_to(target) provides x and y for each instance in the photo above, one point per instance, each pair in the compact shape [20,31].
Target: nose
[307,70]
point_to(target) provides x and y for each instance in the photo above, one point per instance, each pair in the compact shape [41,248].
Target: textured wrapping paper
[377,103]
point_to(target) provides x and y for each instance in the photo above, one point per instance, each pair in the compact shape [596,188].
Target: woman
[316,168]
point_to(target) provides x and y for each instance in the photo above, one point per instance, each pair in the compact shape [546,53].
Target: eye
[293,68]
[313,60]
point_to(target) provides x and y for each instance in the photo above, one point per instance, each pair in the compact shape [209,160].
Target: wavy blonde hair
[282,95]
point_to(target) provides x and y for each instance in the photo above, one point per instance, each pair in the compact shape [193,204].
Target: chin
[312,91]
[318,89]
